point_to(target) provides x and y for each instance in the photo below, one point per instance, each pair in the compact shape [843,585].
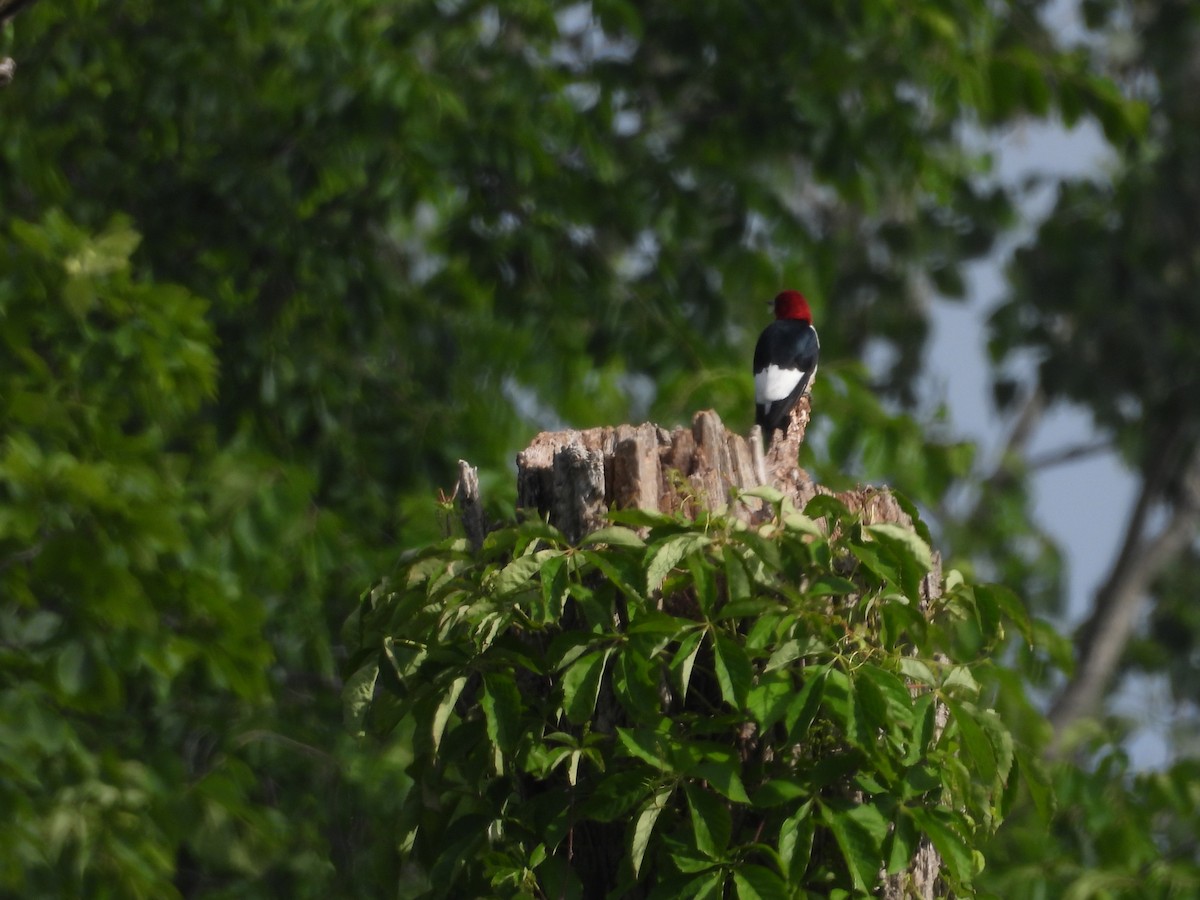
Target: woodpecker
[785,361]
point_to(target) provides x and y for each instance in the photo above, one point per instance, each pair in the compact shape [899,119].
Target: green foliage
[697,708]
[267,270]
[116,610]
[422,225]
[1115,834]
[1105,298]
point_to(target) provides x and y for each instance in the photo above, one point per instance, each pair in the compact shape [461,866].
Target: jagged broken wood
[575,477]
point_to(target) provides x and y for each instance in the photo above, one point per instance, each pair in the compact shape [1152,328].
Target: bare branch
[1018,440]
[1027,422]
[1069,454]
[1123,595]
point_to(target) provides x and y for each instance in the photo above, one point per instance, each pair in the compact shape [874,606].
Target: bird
[785,361]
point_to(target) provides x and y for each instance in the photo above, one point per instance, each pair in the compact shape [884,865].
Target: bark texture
[576,477]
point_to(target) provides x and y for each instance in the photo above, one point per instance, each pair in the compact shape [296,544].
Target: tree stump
[574,478]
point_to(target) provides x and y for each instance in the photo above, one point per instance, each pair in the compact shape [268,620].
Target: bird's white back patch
[774,383]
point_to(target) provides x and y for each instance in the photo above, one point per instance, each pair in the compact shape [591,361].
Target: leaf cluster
[680,709]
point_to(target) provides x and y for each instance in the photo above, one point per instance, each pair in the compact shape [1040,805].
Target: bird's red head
[792,305]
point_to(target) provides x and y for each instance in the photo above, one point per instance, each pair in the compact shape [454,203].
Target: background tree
[1106,298]
[419,232]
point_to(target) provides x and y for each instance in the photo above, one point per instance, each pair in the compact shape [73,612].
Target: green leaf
[650,746]
[803,708]
[613,536]
[737,583]
[501,703]
[356,697]
[581,685]
[758,883]
[617,570]
[518,572]
[838,703]
[643,518]
[959,680]
[445,709]
[685,660]
[643,827]
[885,698]
[688,862]
[979,748]
[723,776]
[710,886]
[1009,604]
[555,582]
[831,586]
[704,582]
[1001,740]
[918,671]
[859,832]
[636,679]
[778,791]
[733,670]
[768,700]
[665,555]
[901,843]
[924,727]
[771,494]
[828,507]
[802,524]
[711,822]
[764,562]
[750,608]
[911,555]
[878,563]
[913,513]
[1037,779]
[796,841]
[615,795]
[951,846]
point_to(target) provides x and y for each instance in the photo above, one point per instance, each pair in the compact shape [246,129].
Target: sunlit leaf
[643,826]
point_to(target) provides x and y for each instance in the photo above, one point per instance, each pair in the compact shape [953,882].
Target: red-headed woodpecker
[785,360]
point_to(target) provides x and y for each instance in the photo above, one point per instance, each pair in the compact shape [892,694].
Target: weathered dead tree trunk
[575,478]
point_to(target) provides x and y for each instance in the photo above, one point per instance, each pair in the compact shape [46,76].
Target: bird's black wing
[789,345]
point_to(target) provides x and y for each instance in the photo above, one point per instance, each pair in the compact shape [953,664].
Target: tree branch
[1069,454]
[1123,595]
[1018,439]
